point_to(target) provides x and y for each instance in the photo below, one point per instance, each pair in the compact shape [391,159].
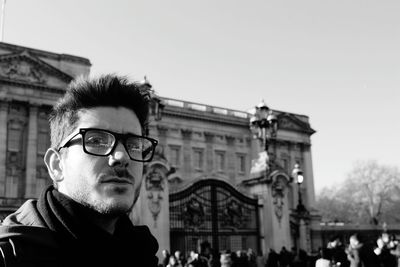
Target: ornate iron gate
[213,211]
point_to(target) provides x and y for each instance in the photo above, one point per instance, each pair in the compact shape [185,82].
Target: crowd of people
[384,251]
[209,259]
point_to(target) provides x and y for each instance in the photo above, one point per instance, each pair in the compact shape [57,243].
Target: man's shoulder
[22,245]
[27,214]
[24,241]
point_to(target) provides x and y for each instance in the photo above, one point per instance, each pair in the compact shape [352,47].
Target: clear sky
[337,62]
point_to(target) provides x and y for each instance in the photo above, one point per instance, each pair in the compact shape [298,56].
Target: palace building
[209,182]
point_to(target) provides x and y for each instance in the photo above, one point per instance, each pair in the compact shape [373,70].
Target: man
[360,254]
[165,260]
[96,159]
[336,252]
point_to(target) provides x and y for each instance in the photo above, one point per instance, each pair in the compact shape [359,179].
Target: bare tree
[369,193]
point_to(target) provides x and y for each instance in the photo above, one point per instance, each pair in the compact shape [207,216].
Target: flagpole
[3,7]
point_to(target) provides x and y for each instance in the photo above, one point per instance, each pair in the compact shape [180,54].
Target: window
[11,186]
[241,163]
[43,137]
[174,156]
[198,158]
[43,142]
[14,138]
[220,160]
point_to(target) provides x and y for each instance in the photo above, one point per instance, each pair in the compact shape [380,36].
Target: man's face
[108,184]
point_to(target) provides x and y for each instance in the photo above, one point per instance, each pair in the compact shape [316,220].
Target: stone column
[187,152]
[231,158]
[162,140]
[309,178]
[30,175]
[3,145]
[303,235]
[274,217]
[209,151]
[280,212]
[152,207]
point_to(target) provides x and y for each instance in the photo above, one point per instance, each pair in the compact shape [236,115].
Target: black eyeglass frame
[118,137]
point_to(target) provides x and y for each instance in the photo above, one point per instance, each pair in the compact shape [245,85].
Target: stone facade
[31,81]
[204,142]
[195,142]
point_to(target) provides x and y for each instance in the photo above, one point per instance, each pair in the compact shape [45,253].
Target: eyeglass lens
[101,143]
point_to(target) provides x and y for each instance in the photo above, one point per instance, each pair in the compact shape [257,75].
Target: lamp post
[297,174]
[264,126]
[301,211]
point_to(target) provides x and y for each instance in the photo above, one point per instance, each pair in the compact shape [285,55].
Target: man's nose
[119,156]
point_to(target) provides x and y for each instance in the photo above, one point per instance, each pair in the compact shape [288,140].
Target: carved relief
[233,214]
[186,133]
[20,70]
[278,195]
[159,152]
[209,137]
[194,214]
[155,184]
[287,123]
[162,130]
[230,140]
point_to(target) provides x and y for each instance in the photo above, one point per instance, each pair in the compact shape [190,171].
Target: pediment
[25,68]
[290,122]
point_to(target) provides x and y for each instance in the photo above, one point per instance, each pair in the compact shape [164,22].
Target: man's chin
[115,208]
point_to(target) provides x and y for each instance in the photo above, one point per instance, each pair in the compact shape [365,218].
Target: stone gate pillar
[152,207]
[271,187]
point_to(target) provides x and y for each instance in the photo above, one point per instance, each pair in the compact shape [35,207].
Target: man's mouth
[117,180]
[118,177]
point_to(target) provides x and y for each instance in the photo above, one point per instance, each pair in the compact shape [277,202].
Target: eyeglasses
[101,142]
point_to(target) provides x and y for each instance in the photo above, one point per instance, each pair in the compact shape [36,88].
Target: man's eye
[134,145]
[97,141]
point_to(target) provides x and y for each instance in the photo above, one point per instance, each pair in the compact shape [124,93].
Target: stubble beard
[115,209]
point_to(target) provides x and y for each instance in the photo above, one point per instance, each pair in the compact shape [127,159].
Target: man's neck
[105,222]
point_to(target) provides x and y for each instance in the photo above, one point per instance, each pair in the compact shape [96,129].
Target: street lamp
[302,215]
[264,124]
[297,174]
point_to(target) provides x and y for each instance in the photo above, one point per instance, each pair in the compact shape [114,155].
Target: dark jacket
[51,232]
[362,256]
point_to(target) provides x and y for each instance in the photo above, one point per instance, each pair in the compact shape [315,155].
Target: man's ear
[52,159]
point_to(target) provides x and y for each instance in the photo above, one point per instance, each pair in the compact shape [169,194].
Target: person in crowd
[242,260]
[336,252]
[226,260]
[361,254]
[180,257]
[251,258]
[293,253]
[173,262]
[301,259]
[285,257]
[394,247]
[273,259]
[214,259]
[165,257]
[196,260]
[324,259]
[234,259]
[384,253]
[98,149]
